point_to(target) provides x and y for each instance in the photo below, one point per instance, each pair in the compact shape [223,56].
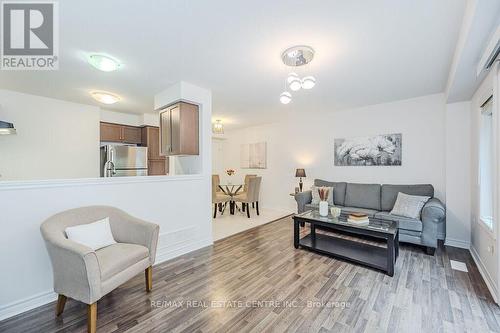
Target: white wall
[55,139]
[458,174]
[181,205]
[484,245]
[131,119]
[307,141]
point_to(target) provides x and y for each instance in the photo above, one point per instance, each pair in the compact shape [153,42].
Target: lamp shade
[300,173]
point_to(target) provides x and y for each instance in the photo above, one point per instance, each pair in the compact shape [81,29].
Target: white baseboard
[457,243]
[163,253]
[26,304]
[169,252]
[490,283]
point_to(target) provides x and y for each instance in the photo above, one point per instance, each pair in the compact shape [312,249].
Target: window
[486,165]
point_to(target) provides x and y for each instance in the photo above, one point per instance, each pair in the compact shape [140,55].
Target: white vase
[323,208]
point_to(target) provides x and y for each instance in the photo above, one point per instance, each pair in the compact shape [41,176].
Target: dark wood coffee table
[382,258]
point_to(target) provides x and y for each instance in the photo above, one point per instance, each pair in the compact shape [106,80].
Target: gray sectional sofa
[378,200]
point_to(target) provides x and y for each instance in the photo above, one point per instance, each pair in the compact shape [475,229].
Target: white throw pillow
[315,195]
[95,235]
[409,205]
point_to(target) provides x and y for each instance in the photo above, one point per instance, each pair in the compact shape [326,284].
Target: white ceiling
[367,52]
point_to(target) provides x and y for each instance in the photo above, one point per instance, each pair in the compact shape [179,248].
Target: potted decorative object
[230,172]
[335,211]
[323,204]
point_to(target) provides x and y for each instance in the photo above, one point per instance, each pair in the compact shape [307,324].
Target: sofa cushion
[405,223]
[390,193]
[338,190]
[363,196]
[350,210]
[117,257]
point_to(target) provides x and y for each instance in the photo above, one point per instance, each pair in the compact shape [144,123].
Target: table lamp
[300,173]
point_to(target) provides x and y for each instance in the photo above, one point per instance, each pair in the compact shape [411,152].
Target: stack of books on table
[358,219]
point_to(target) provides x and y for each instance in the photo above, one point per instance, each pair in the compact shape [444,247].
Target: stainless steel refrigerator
[124,161]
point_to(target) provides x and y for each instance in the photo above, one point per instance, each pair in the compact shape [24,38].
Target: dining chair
[251,196]
[218,198]
[245,187]
[216,182]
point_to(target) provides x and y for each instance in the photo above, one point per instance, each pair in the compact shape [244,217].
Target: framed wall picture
[253,156]
[377,150]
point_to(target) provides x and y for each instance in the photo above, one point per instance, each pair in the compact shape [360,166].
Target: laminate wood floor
[257,282]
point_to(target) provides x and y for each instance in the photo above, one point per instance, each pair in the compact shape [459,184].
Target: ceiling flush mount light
[297,55]
[104,63]
[218,127]
[308,82]
[105,97]
[285,97]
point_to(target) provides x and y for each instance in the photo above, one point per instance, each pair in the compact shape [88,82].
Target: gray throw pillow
[315,195]
[409,205]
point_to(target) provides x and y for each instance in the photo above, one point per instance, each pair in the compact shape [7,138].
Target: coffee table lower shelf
[361,253]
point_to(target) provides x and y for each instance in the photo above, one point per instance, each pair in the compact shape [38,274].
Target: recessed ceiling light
[285,97]
[104,63]
[105,97]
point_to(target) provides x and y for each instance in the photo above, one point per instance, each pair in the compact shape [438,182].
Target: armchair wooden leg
[253,204]
[243,207]
[215,211]
[248,209]
[92,318]
[149,278]
[61,302]
[257,207]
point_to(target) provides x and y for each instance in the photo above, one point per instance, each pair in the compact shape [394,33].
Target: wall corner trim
[484,273]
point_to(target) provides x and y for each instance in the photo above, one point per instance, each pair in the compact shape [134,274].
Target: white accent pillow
[315,195]
[409,205]
[95,235]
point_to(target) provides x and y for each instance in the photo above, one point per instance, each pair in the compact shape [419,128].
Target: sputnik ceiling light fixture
[297,56]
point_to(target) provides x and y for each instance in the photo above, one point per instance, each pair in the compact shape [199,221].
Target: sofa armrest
[433,211]
[136,231]
[76,270]
[303,198]
[433,219]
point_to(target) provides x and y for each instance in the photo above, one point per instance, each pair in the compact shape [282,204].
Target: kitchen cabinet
[157,164]
[120,133]
[157,167]
[179,130]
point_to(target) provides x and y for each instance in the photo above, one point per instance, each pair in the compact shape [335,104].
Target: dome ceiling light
[105,97]
[297,56]
[104,63]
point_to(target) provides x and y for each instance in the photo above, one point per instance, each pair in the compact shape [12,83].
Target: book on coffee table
[358,219]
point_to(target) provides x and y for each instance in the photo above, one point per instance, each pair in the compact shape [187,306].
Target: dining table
[231,190]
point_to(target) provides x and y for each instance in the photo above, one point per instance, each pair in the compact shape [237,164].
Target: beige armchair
[251,196]
[86,275]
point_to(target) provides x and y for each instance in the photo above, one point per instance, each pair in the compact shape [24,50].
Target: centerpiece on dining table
[230,172]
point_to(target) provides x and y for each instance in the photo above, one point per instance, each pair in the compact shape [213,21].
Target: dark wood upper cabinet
[111,132]
[151,139]
[120,133]
[157,165]
[179,130]
[132,134]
